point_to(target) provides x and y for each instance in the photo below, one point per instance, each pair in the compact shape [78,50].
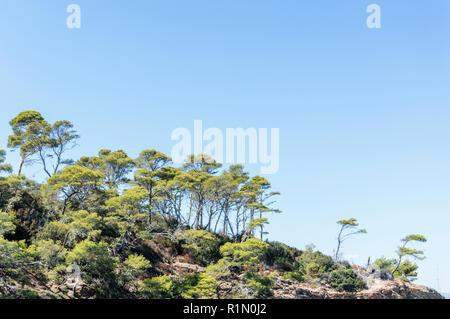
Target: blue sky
[363,114]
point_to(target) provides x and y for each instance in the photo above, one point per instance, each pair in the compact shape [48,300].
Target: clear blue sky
[363,114]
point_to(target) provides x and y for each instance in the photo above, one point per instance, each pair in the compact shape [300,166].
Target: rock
[186,269]
[378,289]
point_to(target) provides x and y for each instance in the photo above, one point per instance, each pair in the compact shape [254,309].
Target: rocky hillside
[253,269]
[379,289]
[112,226]
[376,284]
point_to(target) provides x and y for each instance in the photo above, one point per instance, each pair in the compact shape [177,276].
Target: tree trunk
[21,166]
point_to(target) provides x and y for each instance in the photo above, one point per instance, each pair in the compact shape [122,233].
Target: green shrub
[343,279]
[202,245]
[199,286]
[50,253]
[385,264]
[58,274]
[26,293]
[280,255]
[222,269]
[294,275]
[97,267]
[162,287]
[407,271]
[313,264]
[262,285]
[6,223]
[56,231]
[133,267]
[13,256]
[247,254]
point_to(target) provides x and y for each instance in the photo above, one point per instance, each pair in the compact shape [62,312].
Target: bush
[343,279]
[407,271]
[202,245]
[162,287]
[133,267]
[50,253]
[248,254]
[55,230]
[222,269]
[260,284]
[385,264]
[13,256]
[6,223]
[97,267]
[199,286]
[26,293]
[294,275]
[313,264]
[280,255]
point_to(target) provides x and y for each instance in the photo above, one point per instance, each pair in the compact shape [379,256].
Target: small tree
[404,251]
[348,227]
[75,181]
[23,134]
[32,135]
[127,212]
[133,267]
[150,164]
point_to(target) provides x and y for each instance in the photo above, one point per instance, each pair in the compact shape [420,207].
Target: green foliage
[105,213]
[127,213]
[385,264]
[75,183]
[252,225]
[202,245]
[13,257]
[56,231]
[222,269]
[247,254]
[313,264]
[130,205]
[294,275]
[345,279]
[50,253]
[199,286]
[34,136]
[6,223]
[82,225]
[162,287]
[97,267]
[4,167]
[134,267]
[25,127]
[201,163]
[73,228]
[347,228]
[280,255]
[407,271]
[115,166]
[262,285]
